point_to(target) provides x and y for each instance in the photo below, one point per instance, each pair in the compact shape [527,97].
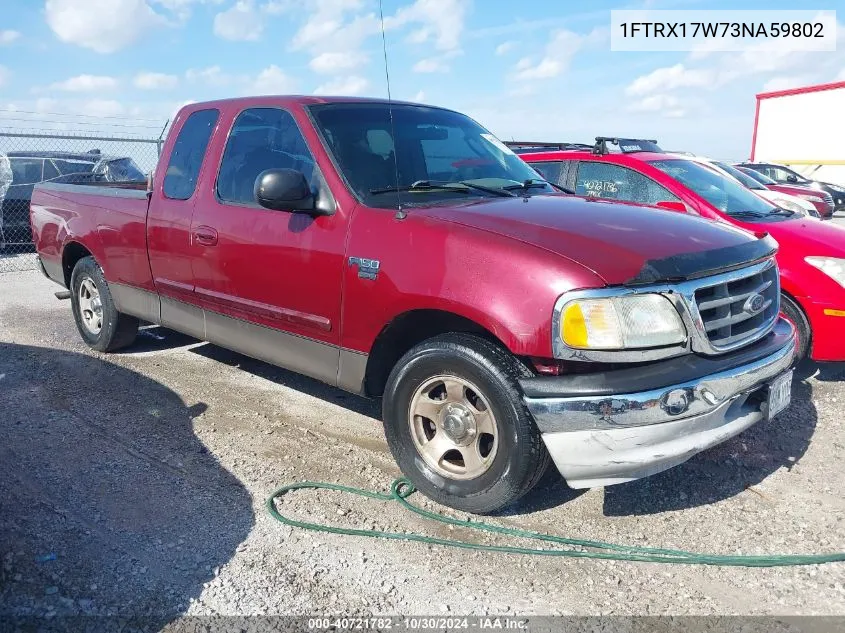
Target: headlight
[833,267]
[810,197]
[632,322]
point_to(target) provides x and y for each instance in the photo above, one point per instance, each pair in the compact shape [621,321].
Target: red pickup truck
[399,251]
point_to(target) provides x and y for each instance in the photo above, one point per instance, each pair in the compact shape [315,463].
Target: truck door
[169,241]
[269,281]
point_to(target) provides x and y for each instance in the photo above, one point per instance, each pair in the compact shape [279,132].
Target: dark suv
[785,175]
[30,168]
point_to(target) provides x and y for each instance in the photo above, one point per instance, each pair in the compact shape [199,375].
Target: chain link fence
[28,158]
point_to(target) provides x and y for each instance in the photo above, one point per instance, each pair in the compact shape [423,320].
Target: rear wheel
[803,334]
[99,323]
[456,424]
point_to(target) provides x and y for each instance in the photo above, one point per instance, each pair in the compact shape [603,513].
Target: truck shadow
[725,470]
[719,473]
[158,338]
[110,504]
[826,372]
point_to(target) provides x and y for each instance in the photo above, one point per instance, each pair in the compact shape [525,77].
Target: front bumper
[600,439]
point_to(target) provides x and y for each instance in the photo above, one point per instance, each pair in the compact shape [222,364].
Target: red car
[811,255]
[499,328]
[822,200]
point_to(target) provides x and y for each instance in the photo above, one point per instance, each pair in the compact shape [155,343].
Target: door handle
[205,235]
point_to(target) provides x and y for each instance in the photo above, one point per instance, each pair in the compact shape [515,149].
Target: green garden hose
[401,489]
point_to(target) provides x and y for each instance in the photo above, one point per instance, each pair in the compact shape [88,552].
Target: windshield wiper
[532,184]
[747,214]
[781,211]
[430,185]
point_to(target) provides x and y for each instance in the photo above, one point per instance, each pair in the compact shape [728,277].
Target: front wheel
[803,334]
[457,427]
[99,323]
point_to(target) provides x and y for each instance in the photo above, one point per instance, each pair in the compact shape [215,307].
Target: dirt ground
[135,483]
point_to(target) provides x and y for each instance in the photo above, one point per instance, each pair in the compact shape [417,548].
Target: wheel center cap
[458,424]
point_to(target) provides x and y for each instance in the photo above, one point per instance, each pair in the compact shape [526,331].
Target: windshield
[431,145]
[745,179]
[724,193]
[756,175]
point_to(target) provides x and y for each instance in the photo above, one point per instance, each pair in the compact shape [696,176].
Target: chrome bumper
[605,440]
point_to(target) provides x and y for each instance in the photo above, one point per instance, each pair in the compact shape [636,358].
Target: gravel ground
[134,483]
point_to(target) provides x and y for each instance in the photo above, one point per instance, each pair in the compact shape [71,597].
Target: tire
[803,333]
[92,304]
[502,469]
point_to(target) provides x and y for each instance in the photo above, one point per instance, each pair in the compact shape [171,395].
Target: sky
[527,70]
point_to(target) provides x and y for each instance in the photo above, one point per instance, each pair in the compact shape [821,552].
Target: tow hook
[63,294]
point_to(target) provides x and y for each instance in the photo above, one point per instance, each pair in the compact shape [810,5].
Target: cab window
[180,179]
[549,170]
[261,139]
[614,182]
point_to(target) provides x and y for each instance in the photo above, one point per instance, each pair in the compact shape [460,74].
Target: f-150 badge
[367,268]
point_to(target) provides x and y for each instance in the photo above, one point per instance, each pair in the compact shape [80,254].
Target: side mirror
[284,190]
[673,205]
[791,178]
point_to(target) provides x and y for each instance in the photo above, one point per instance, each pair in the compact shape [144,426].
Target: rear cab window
[180,179]
[26,171]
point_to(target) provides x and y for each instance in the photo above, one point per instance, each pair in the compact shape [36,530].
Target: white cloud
[841,75]
[8,37]
[211,76]
[440,20]
[350,86]
[5,73]
[86,83]
[182,8]
[239,23]
[430,65]
[337,29]
[329,63]
[667,105]
[505,47]
[272,80]
[155,81]
[785,67]
[104,26]
[782,82]
[278,7]
[560,51]
[669,78]
[419,97]
[45,104]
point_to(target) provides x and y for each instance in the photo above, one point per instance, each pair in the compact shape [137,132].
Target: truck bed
[110,218]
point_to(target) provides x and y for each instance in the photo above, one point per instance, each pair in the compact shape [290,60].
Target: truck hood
[621,243]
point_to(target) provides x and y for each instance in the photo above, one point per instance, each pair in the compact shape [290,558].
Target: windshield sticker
[497,144]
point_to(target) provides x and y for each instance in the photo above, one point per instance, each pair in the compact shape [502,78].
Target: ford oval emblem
[754,304]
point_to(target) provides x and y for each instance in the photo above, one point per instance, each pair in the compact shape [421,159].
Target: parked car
[811,255]
[30,168]
[821,200]
[783,175]
[777,198]
[342,238]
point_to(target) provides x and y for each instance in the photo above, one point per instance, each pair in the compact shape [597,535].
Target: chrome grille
[730,312]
